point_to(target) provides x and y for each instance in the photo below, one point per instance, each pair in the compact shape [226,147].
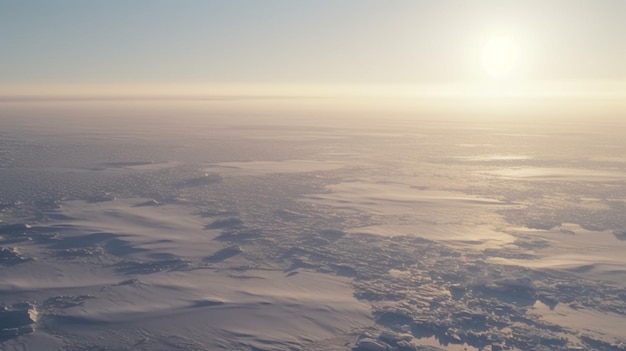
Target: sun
[500,56]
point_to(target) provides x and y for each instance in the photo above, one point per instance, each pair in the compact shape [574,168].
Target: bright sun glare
[500,56]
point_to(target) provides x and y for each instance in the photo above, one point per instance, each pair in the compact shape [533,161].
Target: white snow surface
[191,226]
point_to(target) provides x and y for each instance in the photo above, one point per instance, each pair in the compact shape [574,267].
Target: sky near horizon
[71,44]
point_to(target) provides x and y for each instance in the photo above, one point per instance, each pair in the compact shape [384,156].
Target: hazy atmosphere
[313,175]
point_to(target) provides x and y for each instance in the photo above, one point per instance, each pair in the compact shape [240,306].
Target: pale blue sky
[286,41]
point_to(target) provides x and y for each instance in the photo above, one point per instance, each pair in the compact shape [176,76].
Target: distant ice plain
[206,225]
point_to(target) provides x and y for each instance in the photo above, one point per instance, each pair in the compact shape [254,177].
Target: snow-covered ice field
[164,225]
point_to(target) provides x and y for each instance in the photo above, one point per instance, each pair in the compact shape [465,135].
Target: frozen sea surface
[165,227]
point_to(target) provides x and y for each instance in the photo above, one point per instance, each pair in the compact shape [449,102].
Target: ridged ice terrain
[158,228]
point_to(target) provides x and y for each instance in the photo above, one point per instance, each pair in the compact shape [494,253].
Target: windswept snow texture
[144,228]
